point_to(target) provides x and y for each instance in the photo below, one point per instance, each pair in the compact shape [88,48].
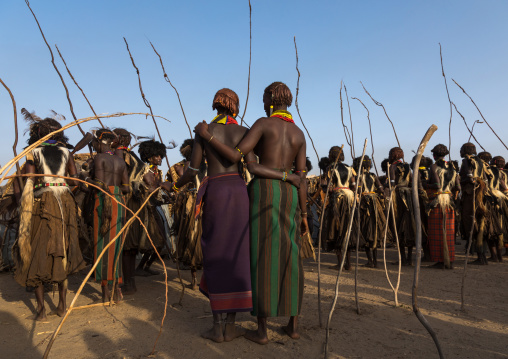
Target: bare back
[279,143]
[111,170]
[230,135]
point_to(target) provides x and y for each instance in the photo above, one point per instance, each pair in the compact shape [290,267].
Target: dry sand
[381,331]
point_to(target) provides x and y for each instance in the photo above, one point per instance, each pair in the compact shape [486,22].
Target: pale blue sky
[392,46]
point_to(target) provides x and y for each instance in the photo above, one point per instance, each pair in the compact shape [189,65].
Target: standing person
[133,200]
[500,191]
[48,249]
[372,214]
[342,179]
[276,219]
[110,173]
[152,152]
[472,180]
[443,182]
[223,202]
[493,201]
[423,199]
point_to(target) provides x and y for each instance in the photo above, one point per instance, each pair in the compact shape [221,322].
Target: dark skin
[230,135]
[278,144]
[109,171]
[62,286]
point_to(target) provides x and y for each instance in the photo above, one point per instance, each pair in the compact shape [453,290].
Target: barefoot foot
[233,331]
[256,337]
[214,334]
[41,315]
[291,332]
[60,311]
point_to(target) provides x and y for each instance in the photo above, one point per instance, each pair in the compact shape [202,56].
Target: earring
[271,109]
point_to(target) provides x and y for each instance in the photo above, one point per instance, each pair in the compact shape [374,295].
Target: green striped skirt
[276,267]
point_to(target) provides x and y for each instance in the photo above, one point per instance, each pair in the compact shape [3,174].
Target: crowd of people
[238,205]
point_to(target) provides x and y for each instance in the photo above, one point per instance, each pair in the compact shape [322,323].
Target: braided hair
[468,148]
[42,128]
[124,136]
[226,100]
[367,163]
[280,94]
[498,161]
[384,165]
[334,152]
[440,150]
[396,153]
[485,156]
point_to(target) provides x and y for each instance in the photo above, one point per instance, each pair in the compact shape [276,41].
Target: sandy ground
[382,330]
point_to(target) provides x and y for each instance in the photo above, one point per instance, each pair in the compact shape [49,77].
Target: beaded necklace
[283,115]
[224,120]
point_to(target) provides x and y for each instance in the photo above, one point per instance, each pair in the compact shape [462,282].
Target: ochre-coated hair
[150,148]
[440,150]
[280,94]
[468,148]
[485,156]
[332,154]
[186,148]
[367,163]
[124,136]
[396,153]
[498,161]
[226,99]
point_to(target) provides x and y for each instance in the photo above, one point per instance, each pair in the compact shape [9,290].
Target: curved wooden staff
[462,305]
[7,167]
[418,220]
[357,247]
[346,243]
[321,220]
[494,132]
[18,171]
[166,78]
[56,69]
[469,130]
[250,60]
[386,114]
[147,104]
[344,127]
[370,129]
[450,101]
[80,89]
[296,100]
[352,145]
[392,212]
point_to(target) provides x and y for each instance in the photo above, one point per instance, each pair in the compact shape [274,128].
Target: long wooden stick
[353,155]
[469,130]
[321,220]
[450,102]
[166,78]
[18,170]
[388,214]
[344,127]
[296,100]
[494,132]
[56,69]
[147,104]
[344,251]
[358,246]
[250,60]
[386,114]
[397,242]
[78,292]
[80,89]
[462,290]
[370,129]
[418,220]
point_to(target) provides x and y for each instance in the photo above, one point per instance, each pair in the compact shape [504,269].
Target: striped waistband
[59,184]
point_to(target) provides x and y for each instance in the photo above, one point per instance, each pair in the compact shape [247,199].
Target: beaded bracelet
[50,185]
[192,168]
[176,189]
[239,151]
[284,176]
[302,171]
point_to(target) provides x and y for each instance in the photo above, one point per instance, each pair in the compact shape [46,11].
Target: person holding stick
[472,174]
[276,217]
[108,171]
[47,250]
[442,188]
